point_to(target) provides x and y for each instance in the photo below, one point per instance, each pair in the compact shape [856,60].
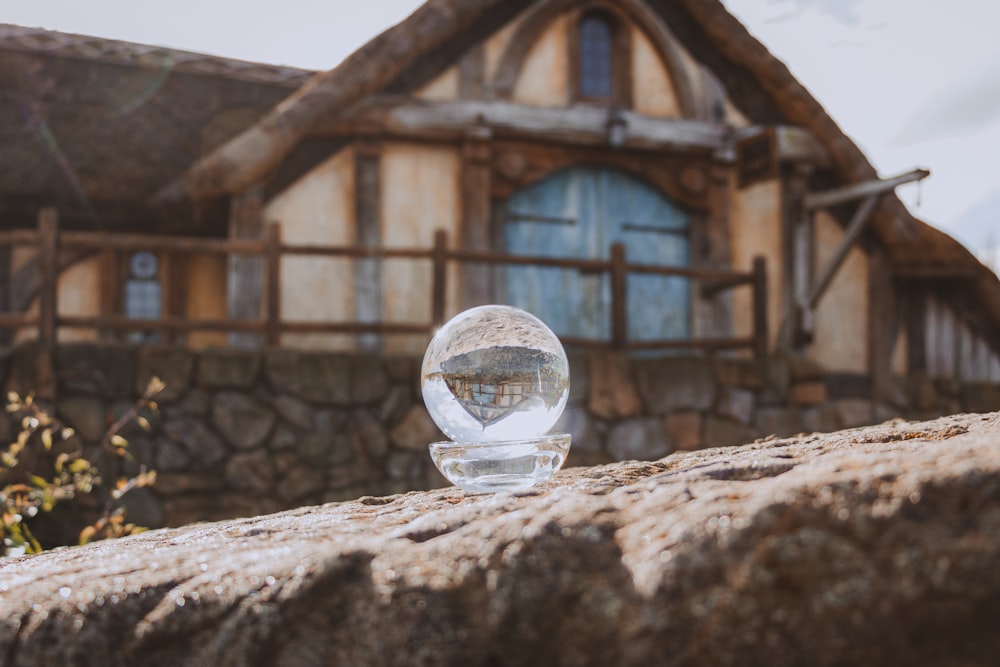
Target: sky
[916,83]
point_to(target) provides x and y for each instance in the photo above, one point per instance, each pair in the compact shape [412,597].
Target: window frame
[621,56]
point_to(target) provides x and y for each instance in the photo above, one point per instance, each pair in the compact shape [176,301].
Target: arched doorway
[578,213]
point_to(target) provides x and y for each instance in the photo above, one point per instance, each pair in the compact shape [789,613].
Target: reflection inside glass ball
[495,373]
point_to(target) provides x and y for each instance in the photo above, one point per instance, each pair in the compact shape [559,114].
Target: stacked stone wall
[243,433]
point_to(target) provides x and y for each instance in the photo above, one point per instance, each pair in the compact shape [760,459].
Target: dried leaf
[67,433]
[143,422]
[47,438]
[118,441]
[87,534]
[79,465]
[40,482]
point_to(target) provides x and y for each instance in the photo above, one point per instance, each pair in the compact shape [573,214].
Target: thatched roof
[758,83]
[97,126]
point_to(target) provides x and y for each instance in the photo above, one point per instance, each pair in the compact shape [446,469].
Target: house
[549,127]
[646,159]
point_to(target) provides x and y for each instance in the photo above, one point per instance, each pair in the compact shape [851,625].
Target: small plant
[46,467]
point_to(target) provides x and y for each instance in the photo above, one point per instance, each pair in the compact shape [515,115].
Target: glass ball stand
[495,380]
[510,465]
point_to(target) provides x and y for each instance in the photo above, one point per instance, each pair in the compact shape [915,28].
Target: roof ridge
[88,47]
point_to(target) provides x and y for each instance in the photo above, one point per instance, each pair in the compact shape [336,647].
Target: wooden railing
[48,240]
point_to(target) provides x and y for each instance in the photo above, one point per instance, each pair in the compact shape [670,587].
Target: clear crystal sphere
[494,374]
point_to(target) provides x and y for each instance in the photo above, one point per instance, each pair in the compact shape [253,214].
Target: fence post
[760,307]
[439,256]
[619,297]
[48,306]
[273,284]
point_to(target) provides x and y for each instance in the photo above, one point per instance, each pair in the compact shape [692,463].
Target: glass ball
[494,374]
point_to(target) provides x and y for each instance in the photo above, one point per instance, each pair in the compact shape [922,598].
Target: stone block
[779,422]
[852,412]
[100,369]
[736,403]
[415,431]
[232,369]
[746,373]
[331,379]
[922,392]
[369,380]
[250,471]
[204,447]
[612,392]
[685,429]
[172,456]
[675,383]
[366,435]
[327,442]
[143,508]
[725,432]
[316,377]
[172,484]
[405,466]
[300,482]
[808,393]
[141,453]
[820,419]
[579,376]
[284,461]
[245,422]
[86,414]
[283,438]
[173,365]
[195,403]
[403,370]
[980,397]
[294,410]
[637,439]
[584,430]
[398,401]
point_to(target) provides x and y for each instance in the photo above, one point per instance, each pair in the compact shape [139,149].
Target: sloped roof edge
[86,47]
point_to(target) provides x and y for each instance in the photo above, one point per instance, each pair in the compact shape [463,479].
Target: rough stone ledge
[877,546]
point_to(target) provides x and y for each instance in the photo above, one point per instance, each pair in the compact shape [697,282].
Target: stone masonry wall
[243,433]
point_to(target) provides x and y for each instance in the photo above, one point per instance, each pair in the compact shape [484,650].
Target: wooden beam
[48,302]
[882,326]
[273,331]
[368,232]
[619,296]
[863,190]
[760,337]
[581,124]
[476,180]
[854,229]
[245,284]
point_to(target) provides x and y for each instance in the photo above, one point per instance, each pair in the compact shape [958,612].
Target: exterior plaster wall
[420,195]
[840,339]
[79,295]
[755,230]
[319,210]
[494,48]
[652,89]
[442,89]
[544,77]
[206,297]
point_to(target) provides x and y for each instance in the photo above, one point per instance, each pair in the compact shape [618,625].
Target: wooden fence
[49,240]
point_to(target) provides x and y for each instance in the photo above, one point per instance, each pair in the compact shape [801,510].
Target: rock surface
[874,546]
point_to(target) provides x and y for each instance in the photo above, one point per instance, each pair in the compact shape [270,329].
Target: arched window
[600,53]
[597,55]
[143,293]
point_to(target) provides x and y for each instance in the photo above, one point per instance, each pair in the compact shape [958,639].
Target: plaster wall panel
[206,297]
[840,341]
[543,80]
[442,89]
[318,210]
[652,89]
[755,230]
[420,194]
[494,47]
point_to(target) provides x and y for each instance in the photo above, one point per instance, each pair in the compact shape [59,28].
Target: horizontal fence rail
[48,240]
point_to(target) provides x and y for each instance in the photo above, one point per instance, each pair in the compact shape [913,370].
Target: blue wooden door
[578,213]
